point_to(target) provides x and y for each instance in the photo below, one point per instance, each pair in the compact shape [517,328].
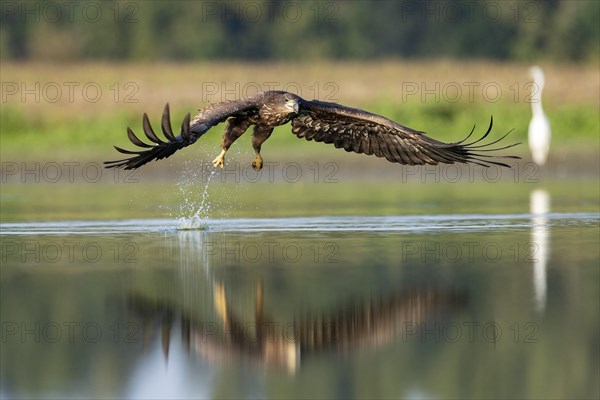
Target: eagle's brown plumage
[352,129]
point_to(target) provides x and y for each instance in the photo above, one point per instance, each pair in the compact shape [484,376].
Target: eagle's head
[279,107]
[292,102]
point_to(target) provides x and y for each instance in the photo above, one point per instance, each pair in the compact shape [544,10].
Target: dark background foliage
[279,29]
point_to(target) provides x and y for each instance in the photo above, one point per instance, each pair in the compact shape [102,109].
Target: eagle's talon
[257,164]
[219,161]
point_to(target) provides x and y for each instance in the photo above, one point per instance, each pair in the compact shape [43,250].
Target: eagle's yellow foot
[220,301]
[220,160]
[257,164]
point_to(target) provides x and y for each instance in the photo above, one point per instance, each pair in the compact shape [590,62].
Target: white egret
[539,126]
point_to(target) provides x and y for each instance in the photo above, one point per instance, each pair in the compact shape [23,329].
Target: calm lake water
[301,290]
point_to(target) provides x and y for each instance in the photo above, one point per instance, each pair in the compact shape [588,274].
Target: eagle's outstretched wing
[190,132]
[359,131]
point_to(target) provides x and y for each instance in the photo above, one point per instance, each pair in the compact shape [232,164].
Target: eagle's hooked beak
[293,105]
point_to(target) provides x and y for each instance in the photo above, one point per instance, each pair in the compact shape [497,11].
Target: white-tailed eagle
[352,129]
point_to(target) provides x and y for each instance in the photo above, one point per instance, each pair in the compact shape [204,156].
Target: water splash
[190,205]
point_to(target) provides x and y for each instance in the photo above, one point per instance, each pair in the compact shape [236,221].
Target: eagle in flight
[349,128]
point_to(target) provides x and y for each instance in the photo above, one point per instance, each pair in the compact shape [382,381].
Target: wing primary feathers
[166,124]
[501,148]
[484,159]
[484,136]
[487,163]
[465,151]
[491,143]
[468,136]
[123,151]
[135,140]
[185,128]
[160,150]
[148,130]
[189,134]
[373,134]
[490,156]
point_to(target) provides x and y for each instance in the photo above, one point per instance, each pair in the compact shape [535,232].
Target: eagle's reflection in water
[358,325]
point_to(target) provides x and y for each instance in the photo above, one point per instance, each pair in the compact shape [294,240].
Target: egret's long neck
[536,98]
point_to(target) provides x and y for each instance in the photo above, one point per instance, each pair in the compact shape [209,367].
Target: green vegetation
[444,98]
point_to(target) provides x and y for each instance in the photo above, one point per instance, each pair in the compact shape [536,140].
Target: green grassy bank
[68,111]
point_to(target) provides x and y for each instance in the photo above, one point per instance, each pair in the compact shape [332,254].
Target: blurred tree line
[280,29]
